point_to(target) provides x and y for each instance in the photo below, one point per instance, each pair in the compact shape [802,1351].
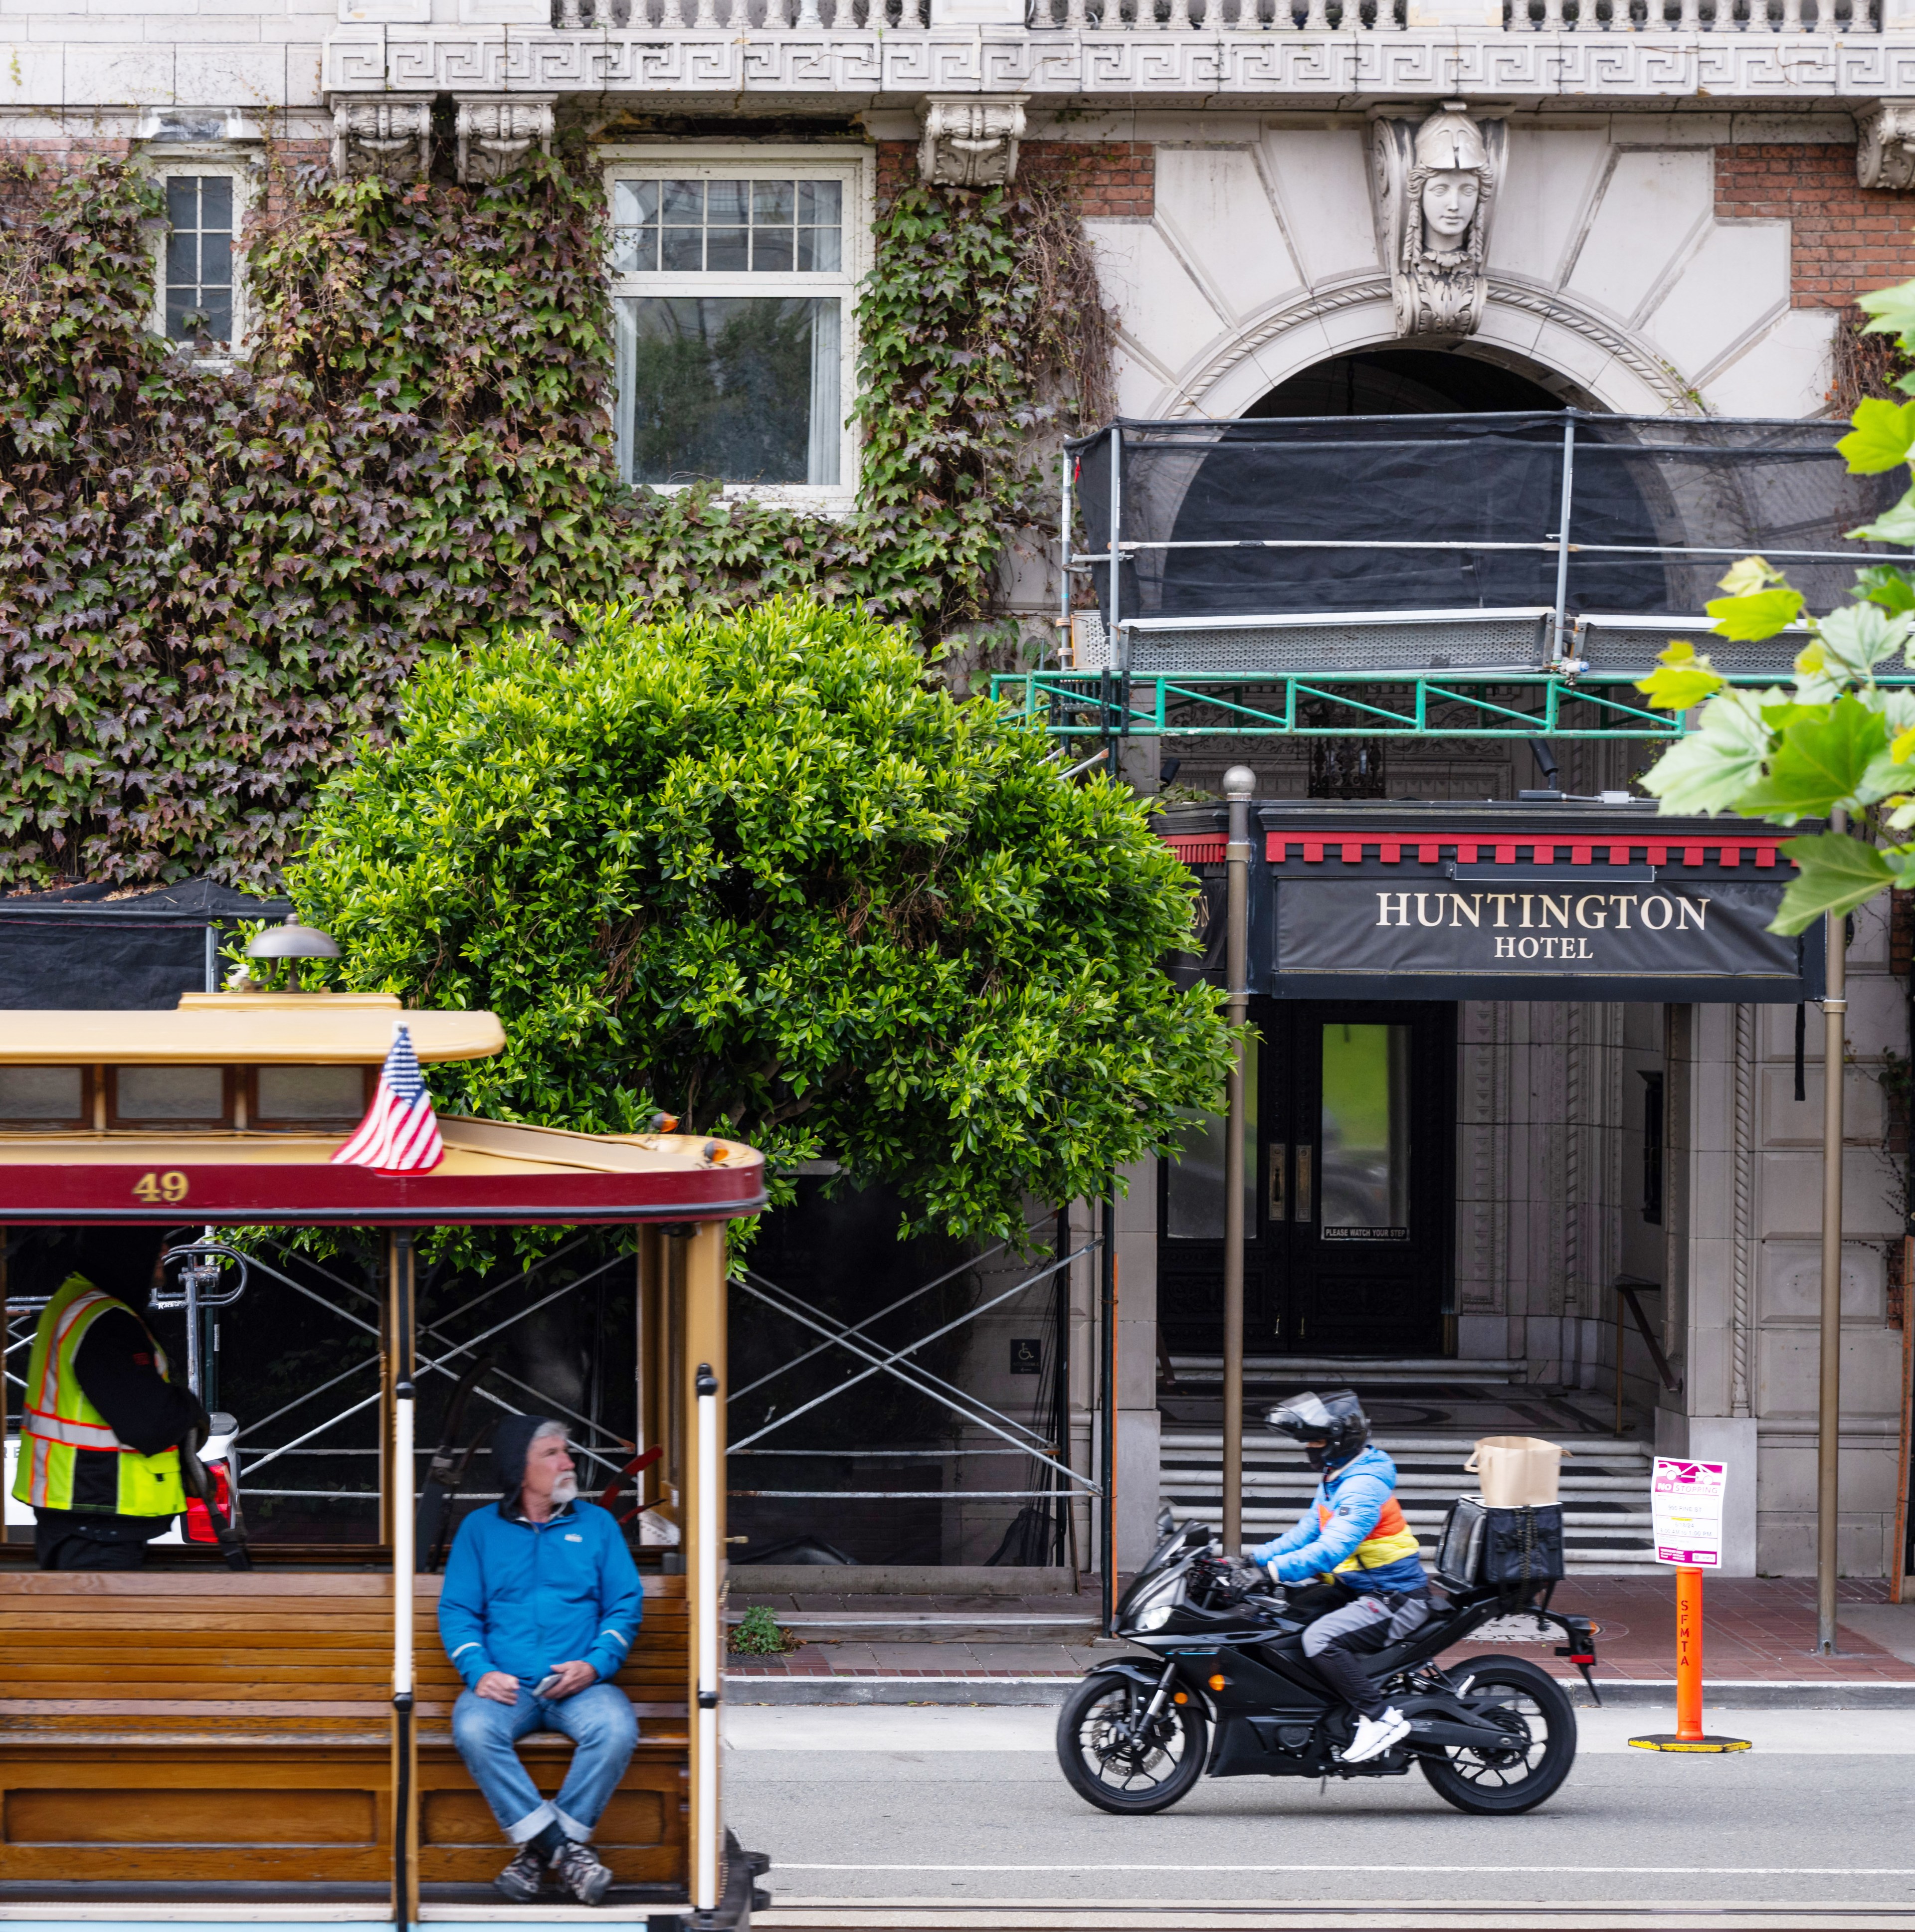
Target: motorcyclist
[1352,1537]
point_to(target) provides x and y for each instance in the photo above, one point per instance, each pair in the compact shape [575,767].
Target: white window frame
[240,168]
[855,168]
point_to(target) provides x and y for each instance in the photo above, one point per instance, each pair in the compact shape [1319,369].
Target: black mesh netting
[1643,490]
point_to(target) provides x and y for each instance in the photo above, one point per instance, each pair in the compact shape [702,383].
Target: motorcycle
[1227,1692]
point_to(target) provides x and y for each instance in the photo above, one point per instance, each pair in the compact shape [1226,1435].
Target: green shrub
[751,871]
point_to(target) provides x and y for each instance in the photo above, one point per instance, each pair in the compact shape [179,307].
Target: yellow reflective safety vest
[70,1457]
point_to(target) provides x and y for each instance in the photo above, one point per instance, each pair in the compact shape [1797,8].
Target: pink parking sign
[1686,1503]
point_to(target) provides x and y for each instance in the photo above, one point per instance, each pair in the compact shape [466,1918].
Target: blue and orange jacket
[1353,1533]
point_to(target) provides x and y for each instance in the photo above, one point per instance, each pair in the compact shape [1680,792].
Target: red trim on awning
[1204,848]
[1200,848]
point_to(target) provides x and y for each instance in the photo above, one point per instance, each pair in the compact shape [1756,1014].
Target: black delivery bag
[1483,1547]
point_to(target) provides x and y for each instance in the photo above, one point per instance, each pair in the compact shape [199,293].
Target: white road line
[1398,1865]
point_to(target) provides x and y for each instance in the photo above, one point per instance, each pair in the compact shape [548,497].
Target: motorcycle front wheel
[1531,1706]
[1121,1760]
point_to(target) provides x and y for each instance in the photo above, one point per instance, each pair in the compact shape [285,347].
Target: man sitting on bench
[541,1602]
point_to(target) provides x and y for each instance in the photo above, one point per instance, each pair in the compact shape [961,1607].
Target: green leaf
[1680,679]
[1881,437]
[1894,526]
[1759,614]
[1818,762]
[1893,310]
[1834,874]
[1748,574]
[1708,770]
[1856,638]
[1887,585]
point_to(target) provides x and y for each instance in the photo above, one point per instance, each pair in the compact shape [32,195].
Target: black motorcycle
[1229,1693]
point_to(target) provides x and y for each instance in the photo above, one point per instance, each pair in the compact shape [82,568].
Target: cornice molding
[1710,69]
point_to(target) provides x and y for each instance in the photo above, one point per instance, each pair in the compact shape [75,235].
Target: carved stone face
[1450,196]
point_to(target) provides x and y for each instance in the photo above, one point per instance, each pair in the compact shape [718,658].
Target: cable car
[277,1737]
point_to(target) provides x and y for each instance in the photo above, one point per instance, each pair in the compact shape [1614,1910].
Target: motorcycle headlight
[1156,1617]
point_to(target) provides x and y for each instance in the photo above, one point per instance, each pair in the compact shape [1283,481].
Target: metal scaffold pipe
[1828,1419]
[1239,782]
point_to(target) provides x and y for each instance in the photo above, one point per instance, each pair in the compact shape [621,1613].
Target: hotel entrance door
[1349,1172]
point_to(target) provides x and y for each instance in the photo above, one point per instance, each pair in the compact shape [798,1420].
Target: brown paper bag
[1518,1472]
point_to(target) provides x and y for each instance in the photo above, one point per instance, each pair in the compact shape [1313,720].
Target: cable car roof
[252,1029]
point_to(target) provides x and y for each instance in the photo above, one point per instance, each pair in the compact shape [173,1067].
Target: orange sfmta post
[1688,1735]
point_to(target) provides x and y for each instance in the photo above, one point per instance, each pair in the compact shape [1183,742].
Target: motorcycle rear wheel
[1486,1783]
[1119,1773]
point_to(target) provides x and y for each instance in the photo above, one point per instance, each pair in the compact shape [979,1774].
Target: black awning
[1518,902]
[76,948]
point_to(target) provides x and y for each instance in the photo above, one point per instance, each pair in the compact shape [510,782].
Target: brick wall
[1112,178]
[1844,238]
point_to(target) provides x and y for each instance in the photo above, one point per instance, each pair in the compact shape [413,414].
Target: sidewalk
[1758,1632]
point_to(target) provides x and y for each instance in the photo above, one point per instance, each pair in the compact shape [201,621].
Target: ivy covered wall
[212,580]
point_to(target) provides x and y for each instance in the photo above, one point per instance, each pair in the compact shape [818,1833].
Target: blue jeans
[600,1722]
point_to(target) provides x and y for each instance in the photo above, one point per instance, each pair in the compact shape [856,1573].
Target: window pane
[634,203]
[635,250]
[170,1093]
[182,260]
[819,201]
[741,389]
[1365,1145]
[684,201]
[727,248]
[683,248]
[41,1093]
[771,202]
[311,1092]
[771,249]
[1195,1190]
[183,201]
[819,250]
[728,203]
[215,201]
[216,261]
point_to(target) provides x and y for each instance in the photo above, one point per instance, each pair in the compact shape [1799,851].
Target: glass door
[1349,1235]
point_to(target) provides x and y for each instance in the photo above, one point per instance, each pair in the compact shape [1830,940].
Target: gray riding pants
[1368,1625]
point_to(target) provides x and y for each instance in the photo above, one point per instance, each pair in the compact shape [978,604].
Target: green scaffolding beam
[1339,704]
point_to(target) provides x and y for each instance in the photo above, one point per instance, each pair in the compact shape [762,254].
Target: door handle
[1303,1209]
[1279,1161]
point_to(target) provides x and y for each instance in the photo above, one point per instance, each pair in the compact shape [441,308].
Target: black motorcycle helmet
[1332,1428]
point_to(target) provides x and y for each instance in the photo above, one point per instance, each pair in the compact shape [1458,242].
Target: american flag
[400,1134]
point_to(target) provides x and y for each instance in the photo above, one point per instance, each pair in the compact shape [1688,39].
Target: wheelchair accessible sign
[1685,1502]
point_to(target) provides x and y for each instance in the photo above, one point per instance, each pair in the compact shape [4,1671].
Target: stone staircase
[1605,1488]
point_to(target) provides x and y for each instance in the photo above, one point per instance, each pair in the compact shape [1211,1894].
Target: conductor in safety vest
[103,1416]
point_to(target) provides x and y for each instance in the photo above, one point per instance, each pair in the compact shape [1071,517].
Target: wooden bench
[216,1726]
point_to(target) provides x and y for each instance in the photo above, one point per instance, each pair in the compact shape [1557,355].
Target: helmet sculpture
[1332,1428]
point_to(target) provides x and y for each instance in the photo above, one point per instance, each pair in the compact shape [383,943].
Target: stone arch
[1572,350]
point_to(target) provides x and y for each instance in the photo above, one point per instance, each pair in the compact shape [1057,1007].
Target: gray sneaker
[523,1879]
[577,1867]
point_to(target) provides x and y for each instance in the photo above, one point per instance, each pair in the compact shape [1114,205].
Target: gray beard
[565,1490]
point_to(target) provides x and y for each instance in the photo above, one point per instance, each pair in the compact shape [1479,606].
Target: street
[956,1805]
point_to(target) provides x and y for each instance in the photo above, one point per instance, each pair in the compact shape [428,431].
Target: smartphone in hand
[546,1684]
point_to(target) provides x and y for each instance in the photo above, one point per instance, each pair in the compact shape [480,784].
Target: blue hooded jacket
[1343,1514]
[522,1597]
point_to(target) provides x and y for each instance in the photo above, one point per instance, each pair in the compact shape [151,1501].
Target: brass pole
[1239,782]
[1827,1417]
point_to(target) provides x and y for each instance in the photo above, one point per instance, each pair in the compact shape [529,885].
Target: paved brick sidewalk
[1755,1630]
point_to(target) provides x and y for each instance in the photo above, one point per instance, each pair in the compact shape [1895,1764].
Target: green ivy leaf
[1749,618]
[1893,310]
[1834,874]
[1680,679]
[1886,584]
[1818,761]
[1710,768]
[1881,437]
[1895,525]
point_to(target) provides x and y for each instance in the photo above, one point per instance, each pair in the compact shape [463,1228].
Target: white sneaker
[1375,1735]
